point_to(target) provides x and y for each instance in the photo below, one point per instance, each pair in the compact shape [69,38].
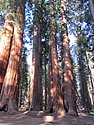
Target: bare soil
[40,118]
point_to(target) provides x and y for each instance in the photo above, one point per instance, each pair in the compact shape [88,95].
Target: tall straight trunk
[50,82]
[32,76]
[92,7]
[85,98]
[46,87]
[21,85]
[69,92]
[10,84]
[91,85]
[91,64]
[55,90]
[85,95]
[5,45]
[36,83]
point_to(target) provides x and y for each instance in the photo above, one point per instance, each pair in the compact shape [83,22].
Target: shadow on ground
[40,118]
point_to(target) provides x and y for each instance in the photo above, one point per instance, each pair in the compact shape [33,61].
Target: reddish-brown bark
[69,92]
[36,83]
[5,45]
[10,83]
[55,90]
[32,77]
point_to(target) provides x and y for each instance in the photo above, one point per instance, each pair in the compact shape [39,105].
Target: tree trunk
[36,83]
[50,82]
[69,92]
[46,87]
[55,90]
[5,45]
[85,98]
[92,7]
[11,78]
[32,77]
[91,67]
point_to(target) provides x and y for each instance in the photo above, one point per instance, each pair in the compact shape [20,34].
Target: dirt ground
[39,118]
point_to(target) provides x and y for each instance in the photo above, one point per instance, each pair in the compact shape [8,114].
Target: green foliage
[5,5]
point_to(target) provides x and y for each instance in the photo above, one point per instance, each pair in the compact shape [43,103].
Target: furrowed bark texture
[5,45]
[55,88]
[36,83]
[8,95]
[69,92]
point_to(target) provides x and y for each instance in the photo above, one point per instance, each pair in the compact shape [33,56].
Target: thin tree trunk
[91,86]
[50,82]
[92,7]
[91,64]
[46,87]
[69,92]
[32,76]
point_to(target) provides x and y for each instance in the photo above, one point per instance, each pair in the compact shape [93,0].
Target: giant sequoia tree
[55,87]
[69,91]
[36,83]
[5,44]
[9,88]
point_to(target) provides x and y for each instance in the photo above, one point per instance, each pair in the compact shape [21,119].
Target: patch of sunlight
[82,114]
[25,112]
[48,118]
[4,123]
[39,113]
[92,113]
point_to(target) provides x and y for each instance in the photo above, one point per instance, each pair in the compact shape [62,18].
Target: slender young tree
[50,82]
[23,79]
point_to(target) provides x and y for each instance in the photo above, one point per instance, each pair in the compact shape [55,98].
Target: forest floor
[39,118]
